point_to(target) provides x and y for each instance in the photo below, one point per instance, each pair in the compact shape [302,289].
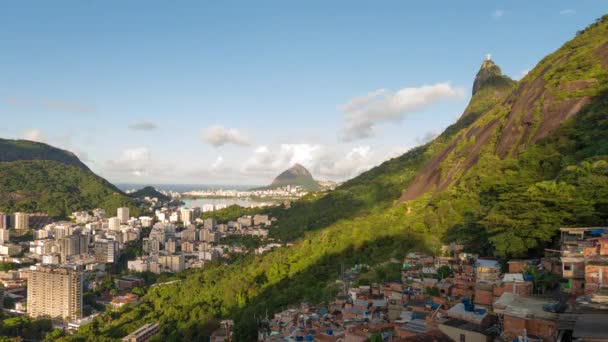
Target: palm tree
[541,279]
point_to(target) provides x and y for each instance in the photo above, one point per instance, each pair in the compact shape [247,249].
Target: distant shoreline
[181,188]
[245,198]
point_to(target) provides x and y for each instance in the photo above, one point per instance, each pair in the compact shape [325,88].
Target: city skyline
[207,94]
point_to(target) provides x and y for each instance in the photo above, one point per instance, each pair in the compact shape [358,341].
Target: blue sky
[233,92]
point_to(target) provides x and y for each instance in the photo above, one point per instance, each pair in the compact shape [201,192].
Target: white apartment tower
[54,292]
[123,215]
[187,215]
[3,221]
[21,221]
[114,223]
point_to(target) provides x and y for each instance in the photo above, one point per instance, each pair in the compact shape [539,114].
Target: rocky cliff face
[487,73]
[296,175]
[519,114]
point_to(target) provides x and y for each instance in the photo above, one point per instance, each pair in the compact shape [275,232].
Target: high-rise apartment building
[4,236]
[123,215]
[106,251]
[114,223]
[187,215]
[73,245]
[54,292]
[21,221]
[4,221]
[210,223]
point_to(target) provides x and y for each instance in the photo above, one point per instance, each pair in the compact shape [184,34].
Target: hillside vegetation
[524,159]
[56,188]
[15,150]
[297,175]
[149,191]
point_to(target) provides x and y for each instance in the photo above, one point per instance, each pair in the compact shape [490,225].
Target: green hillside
[151,192]
[297,175]
[524,159]
[15,150]
[56,188]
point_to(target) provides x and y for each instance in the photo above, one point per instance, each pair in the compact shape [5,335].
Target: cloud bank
[218,135]
[363,113]
[324,162]
[35,134]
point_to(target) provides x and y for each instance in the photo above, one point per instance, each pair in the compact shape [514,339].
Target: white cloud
[362,113]
[35,134]
[499,13]
[324,162]
[217,169]
[143,126]
[135,161]
[568,11]
[359,159]
[267,162]
[218,135]
[217,163]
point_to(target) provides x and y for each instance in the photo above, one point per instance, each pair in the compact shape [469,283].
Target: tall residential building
[209,235]
[245,221]
[114,223]
[171,246]
[260,220]
[196,213]
[106,251]
[62,229]
[172,263]
[150,245]
[146,221]
[3,221]
[123,215]
[210,223]
[187,215]
[190,234]
[73,245]
[4,236]
[21,221]
[54,292]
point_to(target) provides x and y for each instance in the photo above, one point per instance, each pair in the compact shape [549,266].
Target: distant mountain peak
[298,170]
[486,74]
[295,174]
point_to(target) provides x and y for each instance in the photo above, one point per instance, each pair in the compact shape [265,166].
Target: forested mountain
[15,150]
[36,177]
[149,191]
[524,159]
[297,175]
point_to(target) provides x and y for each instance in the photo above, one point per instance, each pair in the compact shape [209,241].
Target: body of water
[200,202]
[181,188]
[243,202]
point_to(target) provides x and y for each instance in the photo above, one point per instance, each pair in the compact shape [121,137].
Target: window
[567,267]
[463,338]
